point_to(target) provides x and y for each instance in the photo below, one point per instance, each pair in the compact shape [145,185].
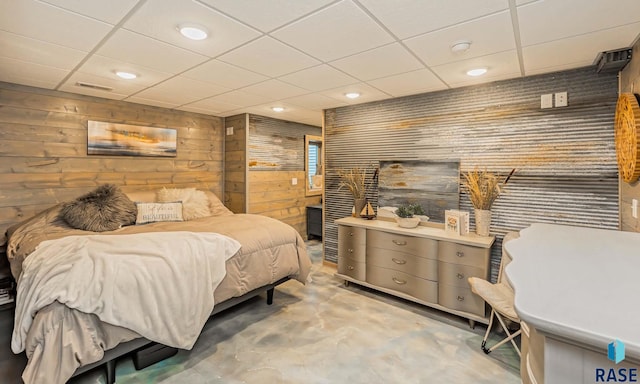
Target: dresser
[425,264]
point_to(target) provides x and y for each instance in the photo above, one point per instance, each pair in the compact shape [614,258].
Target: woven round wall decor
[627,122]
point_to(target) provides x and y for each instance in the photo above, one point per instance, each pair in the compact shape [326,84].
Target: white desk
[580,288]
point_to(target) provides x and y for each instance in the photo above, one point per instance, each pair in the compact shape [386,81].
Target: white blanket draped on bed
[158,284]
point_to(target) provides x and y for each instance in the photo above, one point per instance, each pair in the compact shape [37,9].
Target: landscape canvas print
[130,140]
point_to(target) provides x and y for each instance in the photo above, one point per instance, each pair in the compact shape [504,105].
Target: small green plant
[404,211]
[417,209]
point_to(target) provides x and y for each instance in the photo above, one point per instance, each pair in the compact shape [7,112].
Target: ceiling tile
[241,98]
[269,57]
[503,65]
[133,48]
[340,30]
[160,19]
[406,18]
[275,89]
[106,67]
[410,83]
[120,88]
[181,90]
[35,75]
[380,62]
[37,51]
[45,22]
[155,103]
[267,15]
[111,11]
[367,93]
[545,21]
[319,78]
[488,35]
[211,105]
[227,75]
[315,101]
[577,51]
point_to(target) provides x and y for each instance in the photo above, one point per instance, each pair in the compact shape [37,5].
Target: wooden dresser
[424,264]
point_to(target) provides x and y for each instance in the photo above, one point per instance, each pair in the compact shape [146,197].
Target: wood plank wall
[270,191]
[43,150]
[630,82]
[235,163]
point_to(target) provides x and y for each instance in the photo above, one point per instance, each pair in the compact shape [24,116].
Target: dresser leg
[472,324]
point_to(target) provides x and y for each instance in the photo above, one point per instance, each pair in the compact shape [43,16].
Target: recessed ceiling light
[477,72]
[193,31]
[460,46]
[352,95]
[126,75]
[277,109]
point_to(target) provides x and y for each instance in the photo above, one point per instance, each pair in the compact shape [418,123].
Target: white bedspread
[157,284]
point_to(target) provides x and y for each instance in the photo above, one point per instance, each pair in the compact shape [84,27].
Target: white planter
[483,221]
[408,222]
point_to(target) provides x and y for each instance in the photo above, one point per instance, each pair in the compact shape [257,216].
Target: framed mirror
[313,164]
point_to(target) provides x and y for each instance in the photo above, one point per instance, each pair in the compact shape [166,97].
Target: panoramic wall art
[130,140]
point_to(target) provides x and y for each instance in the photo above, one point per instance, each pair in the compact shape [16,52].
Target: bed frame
[111,355]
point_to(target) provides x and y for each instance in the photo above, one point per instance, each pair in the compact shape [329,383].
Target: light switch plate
[561,99]
[546,101]
[229,131]
[294,181]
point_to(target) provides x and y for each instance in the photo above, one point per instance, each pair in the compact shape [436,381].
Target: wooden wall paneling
[43,150]
[235,164]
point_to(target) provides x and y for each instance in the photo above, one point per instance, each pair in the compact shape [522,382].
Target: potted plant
[353,180]
[484,188]
[405,215]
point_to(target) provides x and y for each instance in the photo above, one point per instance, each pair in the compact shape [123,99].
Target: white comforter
[157,284]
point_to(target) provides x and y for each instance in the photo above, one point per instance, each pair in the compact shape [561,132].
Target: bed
[64,334]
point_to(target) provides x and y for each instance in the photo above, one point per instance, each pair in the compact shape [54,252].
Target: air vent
[612,61]
[94,86]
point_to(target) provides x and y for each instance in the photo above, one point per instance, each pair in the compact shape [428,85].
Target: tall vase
[358,205]
[483,221]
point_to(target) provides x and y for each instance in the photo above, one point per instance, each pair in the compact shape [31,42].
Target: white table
[580,288]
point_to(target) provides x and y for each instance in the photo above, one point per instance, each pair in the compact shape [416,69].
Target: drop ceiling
[304,55]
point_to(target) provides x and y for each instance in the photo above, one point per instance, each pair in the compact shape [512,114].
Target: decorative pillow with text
[154,212]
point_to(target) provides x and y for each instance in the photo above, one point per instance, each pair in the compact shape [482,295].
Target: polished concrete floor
[325,332]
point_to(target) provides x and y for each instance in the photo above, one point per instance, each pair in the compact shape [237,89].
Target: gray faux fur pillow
[104,209]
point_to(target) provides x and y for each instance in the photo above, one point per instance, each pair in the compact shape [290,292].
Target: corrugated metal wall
[277,145]
[565,157]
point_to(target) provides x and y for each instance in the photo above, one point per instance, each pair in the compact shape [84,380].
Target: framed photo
[130,140]
[451,222]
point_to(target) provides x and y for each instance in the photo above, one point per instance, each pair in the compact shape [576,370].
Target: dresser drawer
[425,290]
[414,245]
[352,242]
[460,299]
[352,268]
[457,274]
[463,254]
[403,262]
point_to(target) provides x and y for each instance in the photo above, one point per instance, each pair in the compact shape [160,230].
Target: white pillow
[195,204]
[153,212]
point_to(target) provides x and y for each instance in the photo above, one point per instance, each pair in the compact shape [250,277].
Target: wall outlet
[561,99]
[294,181]
[229,131]
[546,101]
[634,208]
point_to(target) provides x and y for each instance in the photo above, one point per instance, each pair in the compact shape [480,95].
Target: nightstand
[314,221]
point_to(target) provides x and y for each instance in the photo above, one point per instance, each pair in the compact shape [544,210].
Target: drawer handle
[350,250]
[398,261]
[460,254]
[401,243]
[350,233]
[460,276]
[350,267]
[460,298]
[399,282]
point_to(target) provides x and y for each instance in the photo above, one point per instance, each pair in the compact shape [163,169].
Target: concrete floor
[325,332]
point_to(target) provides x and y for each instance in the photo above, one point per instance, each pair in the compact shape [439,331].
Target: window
[313,164]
